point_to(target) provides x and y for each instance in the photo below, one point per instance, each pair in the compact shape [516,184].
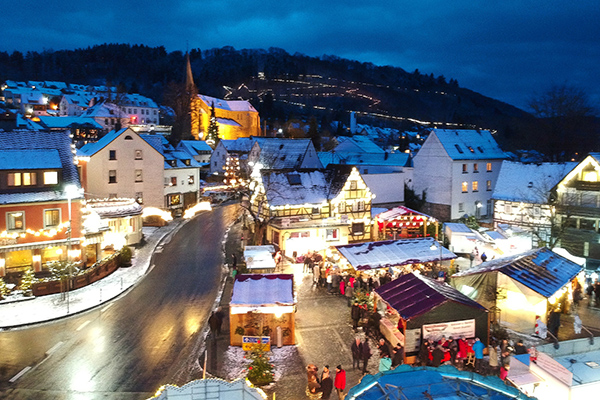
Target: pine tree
[260,371]
[212,134]
[28,280]
[232,172]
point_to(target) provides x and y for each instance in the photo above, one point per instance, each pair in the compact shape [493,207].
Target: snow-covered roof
[457,227]
[115,208]
[357,143]
[294,188]
[51,122]
[469,144]
[194,147]
[50,144]
[80,99]
[260,290]
[278,153]
[229,105]
[92,148]
[104,110]
[365,159]
[398,212]
[541,270]
[239,145]
[214,389]
[529,183]
[389,253]
[21,159]
[227,121]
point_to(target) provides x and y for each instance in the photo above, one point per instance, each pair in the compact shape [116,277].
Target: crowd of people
[321,387]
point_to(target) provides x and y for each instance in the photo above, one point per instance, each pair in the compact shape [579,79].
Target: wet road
[128,348]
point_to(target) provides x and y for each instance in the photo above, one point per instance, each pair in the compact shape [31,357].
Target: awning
[38,245]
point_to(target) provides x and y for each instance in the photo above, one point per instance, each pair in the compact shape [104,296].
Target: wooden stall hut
[521,286]
[414,307]
[402,223]
[261,306]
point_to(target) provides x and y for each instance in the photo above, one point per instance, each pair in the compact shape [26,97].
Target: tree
[260,370]
[567,123]
[28,280]
[179,99]
[212,133]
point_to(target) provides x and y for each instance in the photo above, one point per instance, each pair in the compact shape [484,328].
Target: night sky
[508,50]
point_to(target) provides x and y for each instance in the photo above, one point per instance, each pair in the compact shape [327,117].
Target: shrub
[125,256]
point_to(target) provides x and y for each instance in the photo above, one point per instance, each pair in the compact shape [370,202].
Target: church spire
[189,79]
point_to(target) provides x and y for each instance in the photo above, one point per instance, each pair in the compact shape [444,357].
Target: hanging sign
[249,341]
[455,329]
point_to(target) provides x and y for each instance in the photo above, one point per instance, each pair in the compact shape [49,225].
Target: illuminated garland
[41,232]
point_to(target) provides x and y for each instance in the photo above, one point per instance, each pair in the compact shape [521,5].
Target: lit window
[174,199]
[470,149]
[14,179]
[112,154]
[15,221]
[191,179]
[50,178]
[590,176]
[488,167]
[138,175]
[488,185]
[465,187]
[112,176]
[352,185]
[475,186]
[51,218]
[475,167]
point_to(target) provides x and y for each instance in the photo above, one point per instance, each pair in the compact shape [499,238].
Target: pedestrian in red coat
[340,381]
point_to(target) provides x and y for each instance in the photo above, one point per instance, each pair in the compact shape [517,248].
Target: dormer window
[22,179]
[50,178]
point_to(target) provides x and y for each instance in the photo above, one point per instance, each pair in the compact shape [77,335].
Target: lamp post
[71,191]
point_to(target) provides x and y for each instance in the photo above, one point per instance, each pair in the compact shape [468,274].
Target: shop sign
[412,340]
[455,329]
[8,242]
[249,341]
[554,368]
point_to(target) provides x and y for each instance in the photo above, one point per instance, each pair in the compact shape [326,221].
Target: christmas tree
[28,280]
[260,371]
[232,172]
[212,134]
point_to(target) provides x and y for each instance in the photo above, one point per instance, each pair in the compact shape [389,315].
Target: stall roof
[398,212]
[389,253]
[457,227]
[259,290]
[443,383]
[414,294]
[541,270]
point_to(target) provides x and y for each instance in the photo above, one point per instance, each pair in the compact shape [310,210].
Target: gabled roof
[398,212]
[295,187]
[541,270]
[104,110]
[414,294]
[356,144]
[278,153]
[375,159]
[229,105]
[194,147]
[529,183]
[21,159]
[239,145]
[92,148]
[49,144]
[468,144]
[390,253]
[67,122]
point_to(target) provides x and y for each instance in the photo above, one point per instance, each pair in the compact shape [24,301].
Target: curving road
[128,348]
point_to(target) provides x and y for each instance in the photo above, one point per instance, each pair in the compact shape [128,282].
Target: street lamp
[71,191]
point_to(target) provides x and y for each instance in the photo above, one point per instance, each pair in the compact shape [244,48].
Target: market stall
[521,286]
[414,307]
[262,305]
[403,222]
[401,256]
[260,258]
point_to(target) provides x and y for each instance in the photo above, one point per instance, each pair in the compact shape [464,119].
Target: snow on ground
[236,363]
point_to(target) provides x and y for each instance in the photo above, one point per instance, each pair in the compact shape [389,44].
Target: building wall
[388,188]
[249,122]
[182,178]
[151,164]
[433,173]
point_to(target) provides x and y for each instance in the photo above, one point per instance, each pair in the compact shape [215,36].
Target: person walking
[340,381]
[355,315]
[233,260]
[366,355]
[220,316]
[213,323]
[326,384]
[493,353]
[356,349]
[397,356]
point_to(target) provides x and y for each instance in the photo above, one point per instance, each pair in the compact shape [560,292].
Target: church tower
[192,92]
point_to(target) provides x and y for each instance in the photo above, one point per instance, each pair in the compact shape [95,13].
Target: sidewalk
[46,308]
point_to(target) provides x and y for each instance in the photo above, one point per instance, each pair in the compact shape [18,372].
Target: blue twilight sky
[508,50]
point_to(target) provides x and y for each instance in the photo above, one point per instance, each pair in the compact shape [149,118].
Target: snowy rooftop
[243,145]
[30,159]
[295,187]
[276,153]
[389,253]
[467,144]
[67,122]
[541,270]
[457,227]
[227,121]
[256,290]
[230,105]
[585,366]
[530,183]
[398,212]
[357,143]
[379,159]
[214,389]
[194,147]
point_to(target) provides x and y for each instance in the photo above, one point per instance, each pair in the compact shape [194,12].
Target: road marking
[83,325]
[53,348]
[107,307]
[20,374]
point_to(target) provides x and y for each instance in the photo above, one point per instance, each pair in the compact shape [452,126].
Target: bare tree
[567,122]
